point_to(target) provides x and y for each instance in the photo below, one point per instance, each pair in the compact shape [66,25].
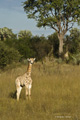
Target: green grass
[55,93]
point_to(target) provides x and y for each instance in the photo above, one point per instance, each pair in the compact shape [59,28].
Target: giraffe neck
[29,69]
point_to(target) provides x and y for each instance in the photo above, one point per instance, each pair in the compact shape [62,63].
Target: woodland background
[17,48]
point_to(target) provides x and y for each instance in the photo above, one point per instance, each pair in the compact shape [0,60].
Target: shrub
[75,59]
[40,46]
[8,55]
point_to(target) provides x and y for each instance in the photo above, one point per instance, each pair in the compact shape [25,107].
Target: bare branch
[52,26]
[71,26]
[52,12]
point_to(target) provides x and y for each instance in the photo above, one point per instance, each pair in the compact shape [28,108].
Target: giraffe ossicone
[25,80]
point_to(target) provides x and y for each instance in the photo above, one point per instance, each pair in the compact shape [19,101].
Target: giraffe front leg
[30,86]
[27,92]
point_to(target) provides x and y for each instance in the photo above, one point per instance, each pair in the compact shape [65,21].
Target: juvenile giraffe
[25,80]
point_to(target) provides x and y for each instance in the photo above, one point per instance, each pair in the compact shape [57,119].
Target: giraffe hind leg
[28,91]
[19,88]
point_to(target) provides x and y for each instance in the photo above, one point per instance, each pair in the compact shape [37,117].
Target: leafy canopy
[6,33]
[56,14]
[24,34]
[8,55]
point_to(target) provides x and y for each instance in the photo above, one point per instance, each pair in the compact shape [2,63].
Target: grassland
[55,93]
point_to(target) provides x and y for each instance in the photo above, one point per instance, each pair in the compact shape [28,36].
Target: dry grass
[55,93]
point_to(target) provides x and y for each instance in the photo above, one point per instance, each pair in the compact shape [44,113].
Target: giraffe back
[23,80]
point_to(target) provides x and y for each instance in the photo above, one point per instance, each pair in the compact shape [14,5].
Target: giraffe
[25,80]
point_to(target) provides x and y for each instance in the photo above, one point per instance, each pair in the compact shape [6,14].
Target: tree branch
[53,27]
[71,26]
[52,12]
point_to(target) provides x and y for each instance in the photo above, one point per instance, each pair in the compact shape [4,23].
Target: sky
[12,15]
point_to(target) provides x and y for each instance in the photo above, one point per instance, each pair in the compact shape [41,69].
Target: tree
[72,46]
[72,42]
[41,46]
[24,34]
[8,55]
[6,33]
[54,42]
[60,15]
[24,48]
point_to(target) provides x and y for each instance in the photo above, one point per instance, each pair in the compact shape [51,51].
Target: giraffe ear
[28,59]
[34,59]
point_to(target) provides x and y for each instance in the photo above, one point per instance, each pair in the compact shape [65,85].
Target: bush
[8,55]
[24,48]
[54,42]
[40,46]
[75,59]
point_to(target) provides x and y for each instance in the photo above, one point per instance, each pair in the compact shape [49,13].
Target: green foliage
[59,61]
[8,55]
[24,34]
[24,48]
[50,13]
[54,42]
[59,15]
[72,46]
[75,59]
[75,40]
[6,33]
[72,42]
[22,44]
[13,49]
[11,42]
[40,46]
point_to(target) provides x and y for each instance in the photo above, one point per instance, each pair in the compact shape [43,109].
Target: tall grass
[55,93]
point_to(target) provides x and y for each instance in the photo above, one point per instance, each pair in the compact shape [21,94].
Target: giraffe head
[31,60]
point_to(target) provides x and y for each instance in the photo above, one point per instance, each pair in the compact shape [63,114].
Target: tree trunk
[61,37]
